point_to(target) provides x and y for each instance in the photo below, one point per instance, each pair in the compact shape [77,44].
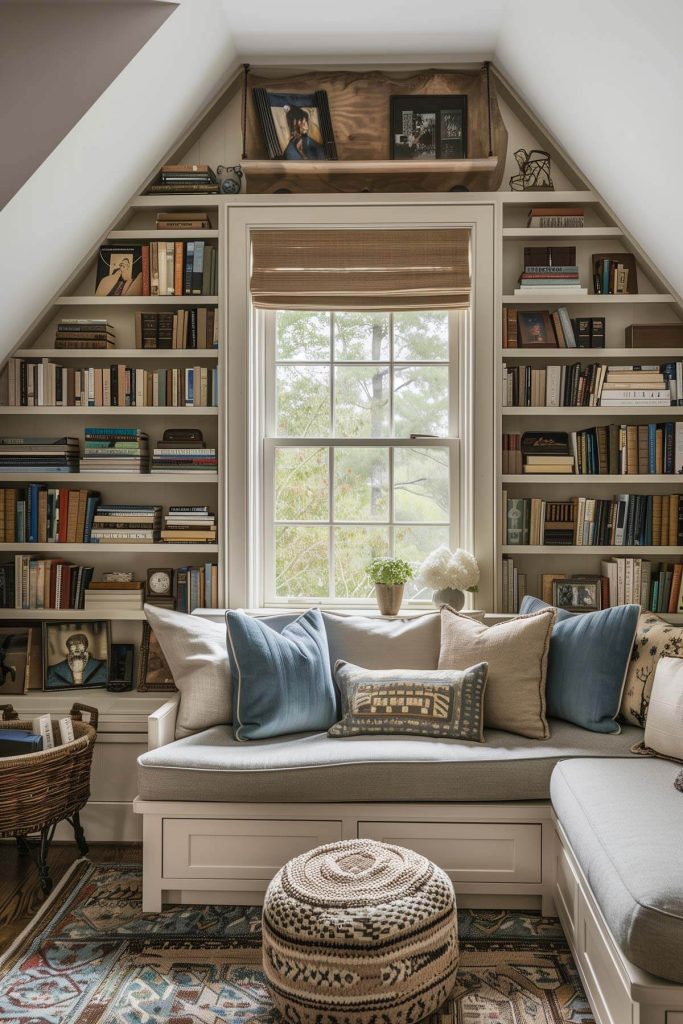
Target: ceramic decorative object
[389,598]
[450,596]
[389,576]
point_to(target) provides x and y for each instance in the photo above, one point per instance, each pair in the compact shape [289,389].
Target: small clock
[159,584]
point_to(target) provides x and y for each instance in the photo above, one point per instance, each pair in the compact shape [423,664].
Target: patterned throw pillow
[447,703]
[654,638]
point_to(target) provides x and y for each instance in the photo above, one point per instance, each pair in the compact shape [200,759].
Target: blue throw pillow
[587,664]
[281,678]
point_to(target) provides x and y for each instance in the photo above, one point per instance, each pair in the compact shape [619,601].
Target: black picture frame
[122,664]
[58,674]
[428,127]
[296,125]
[576,594]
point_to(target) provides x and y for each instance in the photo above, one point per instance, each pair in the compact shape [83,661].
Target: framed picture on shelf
[76,655]
[428,127]
[15,660]
[578,594]
[295,125]
[119,270]
[122,660]
[535,329]
[547,581]
[153,671]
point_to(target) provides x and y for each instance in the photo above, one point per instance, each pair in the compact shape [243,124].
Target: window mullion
[330,528]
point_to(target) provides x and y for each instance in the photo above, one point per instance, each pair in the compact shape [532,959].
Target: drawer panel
[238,848]
[608,995]
[468,851]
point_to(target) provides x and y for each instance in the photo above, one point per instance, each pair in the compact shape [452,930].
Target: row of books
[54,455]
[593,384]
[85,333]
[514,587]
[28,582]
[116,450]
[44,383]
[189,524]
[182,220]
[183,178]
[113,449]
[612,277]
[524,328]
[615,449]
[556,217]
[157,268]
[185,329]
[626,520]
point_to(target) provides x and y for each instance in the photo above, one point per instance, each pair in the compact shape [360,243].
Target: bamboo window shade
[373,269]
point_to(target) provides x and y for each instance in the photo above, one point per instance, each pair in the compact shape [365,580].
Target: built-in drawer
[238,848]
[609,997]
[468,851]
[567,889]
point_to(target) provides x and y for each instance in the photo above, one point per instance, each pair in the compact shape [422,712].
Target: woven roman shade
[392,268]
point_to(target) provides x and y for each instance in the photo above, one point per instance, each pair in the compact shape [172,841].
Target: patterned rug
[93,957]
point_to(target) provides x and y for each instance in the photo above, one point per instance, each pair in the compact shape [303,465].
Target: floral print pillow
[654,638]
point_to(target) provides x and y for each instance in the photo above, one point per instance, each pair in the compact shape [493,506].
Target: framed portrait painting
[76,655]
[535,329]
[296,126]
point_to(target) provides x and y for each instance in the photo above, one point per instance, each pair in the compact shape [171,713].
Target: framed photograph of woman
[76,655]
[296,126]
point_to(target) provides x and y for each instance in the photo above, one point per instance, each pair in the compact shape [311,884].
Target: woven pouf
[359,932]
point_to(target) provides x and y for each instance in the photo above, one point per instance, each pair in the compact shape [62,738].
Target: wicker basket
[39,790]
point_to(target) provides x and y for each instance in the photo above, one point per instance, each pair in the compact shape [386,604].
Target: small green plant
[392,572]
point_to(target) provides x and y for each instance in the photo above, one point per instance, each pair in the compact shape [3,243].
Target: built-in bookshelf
[174,365]
[653,304]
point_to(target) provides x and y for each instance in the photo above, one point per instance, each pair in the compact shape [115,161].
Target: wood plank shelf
[559,298]
[648,355]
[110,477]
[144,549]
[334,168]
[560,233]
[570,551]
[645,412]
[644,479]
[116,354]
[137,300]
[112,410]
[81,614]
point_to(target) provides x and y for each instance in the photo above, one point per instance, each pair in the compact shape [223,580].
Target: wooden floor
[20,893]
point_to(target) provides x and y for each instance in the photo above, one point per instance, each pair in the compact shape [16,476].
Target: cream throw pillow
[517,656]
[664,725]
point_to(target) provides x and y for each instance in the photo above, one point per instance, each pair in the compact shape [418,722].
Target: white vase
[450,596]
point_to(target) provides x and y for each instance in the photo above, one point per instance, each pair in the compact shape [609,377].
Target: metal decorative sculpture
[534,175]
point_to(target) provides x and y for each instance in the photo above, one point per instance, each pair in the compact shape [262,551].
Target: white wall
[66,205]
[607,79]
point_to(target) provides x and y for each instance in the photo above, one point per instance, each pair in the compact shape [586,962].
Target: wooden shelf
[594,478]
[166,235]
[116,354]
[84,614]
[596,355]
[560,299]
[143,549]
[137,300]
[560,233]
[334,168]
[548,198]
[181,200]
[571,551]
[644,412]
[111,477]
[112,410]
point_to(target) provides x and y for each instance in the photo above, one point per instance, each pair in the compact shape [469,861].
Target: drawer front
[468,851]
[567,888]
[239,848]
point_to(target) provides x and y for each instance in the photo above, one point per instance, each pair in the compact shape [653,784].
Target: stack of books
[186,328]
[44,454]
[545,451]
[514,586]
[556,217]
[49,583]
[126,524]
[116,450]
[157,268]
[196,586]
[183,220]
[189,524]
[177,179]
[550,268]
[84,334]
[37,514]
[618,449]
[108,597]
[174,454]
[634,385]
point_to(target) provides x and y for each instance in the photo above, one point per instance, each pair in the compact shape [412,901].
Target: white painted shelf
[113,354]
[84,614]
[597,355]
[143,549]
[561,299]
[137,300]
[548,198]
[182,200]
[111,410]
[165,235]
[594,478]
[644,412]
[570,551]
[111,477]
[560,233]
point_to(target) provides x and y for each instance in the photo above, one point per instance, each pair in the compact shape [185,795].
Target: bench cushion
[624,821]
[314,768]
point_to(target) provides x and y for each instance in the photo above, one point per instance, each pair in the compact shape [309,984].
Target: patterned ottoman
[359,932]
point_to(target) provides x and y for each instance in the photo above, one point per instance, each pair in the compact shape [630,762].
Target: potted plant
[449,573]
[389,576]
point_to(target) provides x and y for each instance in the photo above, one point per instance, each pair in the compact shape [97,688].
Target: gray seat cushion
[314,768]
[624,820]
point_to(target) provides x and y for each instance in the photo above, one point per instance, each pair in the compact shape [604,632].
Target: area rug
[92,957]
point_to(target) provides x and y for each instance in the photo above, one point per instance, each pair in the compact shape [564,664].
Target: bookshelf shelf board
[595,355]
[578,233]
[572,550]
[560,299]
[334,168]
[137,300]
[143,549]
[643,412]
[179,201]
[188,479]
[672,479]
[549,198]
[112,410]
[167,236]
[116,354]
[78,614]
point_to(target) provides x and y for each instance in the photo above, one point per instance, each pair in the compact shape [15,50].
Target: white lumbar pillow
[664,723]
[197,655]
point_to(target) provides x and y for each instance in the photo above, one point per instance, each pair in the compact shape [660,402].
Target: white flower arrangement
[443,568]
